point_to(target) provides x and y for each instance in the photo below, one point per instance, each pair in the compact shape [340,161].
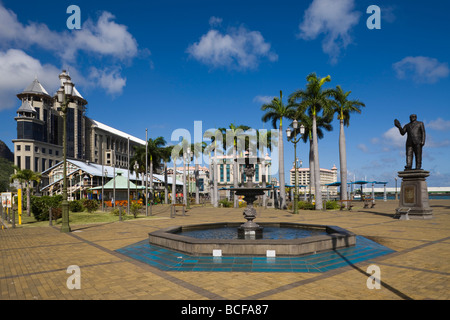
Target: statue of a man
[414,142]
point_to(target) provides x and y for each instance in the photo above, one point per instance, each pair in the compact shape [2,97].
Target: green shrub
[40,207]
[225,203]
[305,205]
[91,205]
[332,205]
[115,211]
[134,208]
[76,206]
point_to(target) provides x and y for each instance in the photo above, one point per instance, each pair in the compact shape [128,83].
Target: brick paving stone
[34,260]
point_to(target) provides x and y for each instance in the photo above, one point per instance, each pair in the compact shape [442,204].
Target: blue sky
[162,65]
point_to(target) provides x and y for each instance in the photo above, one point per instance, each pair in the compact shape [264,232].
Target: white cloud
[439,124]
[110,80]
[238,49]
[393,138]
[12,32]
[105,37]
[332,18]
[17,71]
[215,21]
[421,69]
[263,99]
[363,147]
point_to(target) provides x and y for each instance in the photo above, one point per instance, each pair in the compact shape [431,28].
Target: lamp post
[189,156]
[63,95]
[136,168]
[104,175]
[291,137]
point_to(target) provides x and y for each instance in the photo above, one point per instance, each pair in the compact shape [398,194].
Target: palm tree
[276,111]
[216,145]
[323,122]
[197,149]
[26,176]
[166,157]
[315,100]
[343,107]
[233,131]
[139,158]
[154,150]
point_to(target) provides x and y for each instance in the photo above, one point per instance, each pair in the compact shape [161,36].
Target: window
[18,147]
[43,165]
[43,150]
[256,172]
[228,173]
[19,162]
[57,152]
[36,149]
[50,151]
[27,148]
[221,172]
[36,164]
[50,163]
[28,162]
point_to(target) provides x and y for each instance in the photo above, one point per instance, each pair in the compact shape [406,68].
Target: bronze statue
[414,142]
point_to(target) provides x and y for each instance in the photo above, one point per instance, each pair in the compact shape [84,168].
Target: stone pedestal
[414,195]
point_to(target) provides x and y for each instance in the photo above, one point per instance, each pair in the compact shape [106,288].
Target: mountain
[5,152]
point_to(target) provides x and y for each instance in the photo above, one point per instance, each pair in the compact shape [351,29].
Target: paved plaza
[35,260]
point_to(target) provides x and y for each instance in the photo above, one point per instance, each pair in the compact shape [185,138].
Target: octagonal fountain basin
[283,239]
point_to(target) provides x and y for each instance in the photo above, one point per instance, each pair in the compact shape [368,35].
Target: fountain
[250,240]
[249,230]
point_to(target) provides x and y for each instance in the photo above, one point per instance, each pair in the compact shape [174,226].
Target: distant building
[326,176]
[39,143]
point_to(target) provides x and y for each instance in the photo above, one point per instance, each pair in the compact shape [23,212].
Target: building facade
[39,143]
[327,176]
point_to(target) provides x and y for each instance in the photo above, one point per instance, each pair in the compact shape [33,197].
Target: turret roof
[36,87]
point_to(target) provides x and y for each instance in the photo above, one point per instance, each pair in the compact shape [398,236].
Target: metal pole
[128,176]
[114,175]
[65,204]
[146,177]
[103,183]
[295,178]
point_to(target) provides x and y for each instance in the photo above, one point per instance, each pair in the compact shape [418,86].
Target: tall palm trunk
[184,182]
[216,177]
[28,198]
[166,187]
[152,192]
[343,160]
[174,182]
[281,158]
[235,175]
[317,189]
[311,167]
[196,174]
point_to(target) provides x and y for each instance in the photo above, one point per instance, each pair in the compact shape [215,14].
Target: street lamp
[291,137]
[136,168]
[188,155]
[105,174]
[63,95]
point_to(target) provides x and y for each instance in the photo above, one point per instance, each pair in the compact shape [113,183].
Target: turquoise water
[168,260]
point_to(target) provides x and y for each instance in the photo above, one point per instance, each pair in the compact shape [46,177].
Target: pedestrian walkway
[34,260]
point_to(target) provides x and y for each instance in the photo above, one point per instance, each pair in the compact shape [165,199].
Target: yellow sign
[19,205]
